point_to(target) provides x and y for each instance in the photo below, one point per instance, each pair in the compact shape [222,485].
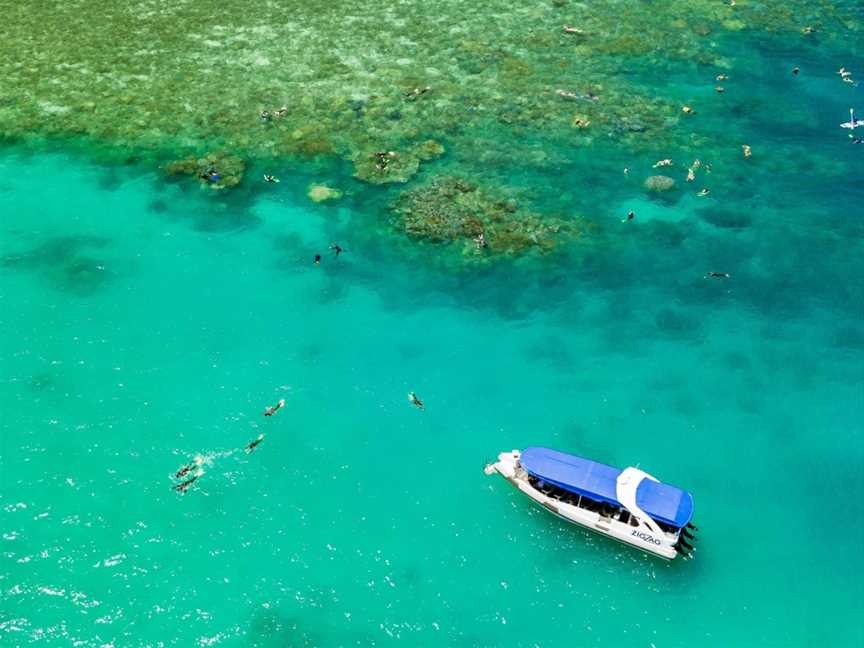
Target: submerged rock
[321,193]
[659,183]
[454,210]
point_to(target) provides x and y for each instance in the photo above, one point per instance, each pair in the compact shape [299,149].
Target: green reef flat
[149,315]
[498,95]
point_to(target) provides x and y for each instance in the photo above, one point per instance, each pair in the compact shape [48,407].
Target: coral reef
[454,210]
[217,170]
[322,193]
[659,184]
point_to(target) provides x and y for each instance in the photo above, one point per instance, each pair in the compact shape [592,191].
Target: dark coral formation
[453,210]
[229,169]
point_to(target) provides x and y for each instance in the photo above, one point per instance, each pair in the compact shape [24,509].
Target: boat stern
[506,466]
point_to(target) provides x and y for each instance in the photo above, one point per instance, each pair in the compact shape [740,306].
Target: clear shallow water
[141,326]
[144,321]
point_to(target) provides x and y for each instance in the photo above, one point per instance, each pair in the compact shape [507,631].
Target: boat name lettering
[646,537]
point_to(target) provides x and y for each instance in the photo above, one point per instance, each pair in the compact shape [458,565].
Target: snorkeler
[337,249]
[703,192]
[317,259]
[416,93]
[416,402]
[265,115]
[853,123]
[573,30]
[720,275]
[270,411]
[282,111]
[796,70]
[746,150]
[720,89]
[481,241]
[253,444]
[662,163]
[182,487]
[630,216]
[383,158]
[195,463]
[270,178]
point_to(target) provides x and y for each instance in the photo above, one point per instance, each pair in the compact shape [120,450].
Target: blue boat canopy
[662,502]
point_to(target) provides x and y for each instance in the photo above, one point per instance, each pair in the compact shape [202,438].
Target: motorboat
[627,505]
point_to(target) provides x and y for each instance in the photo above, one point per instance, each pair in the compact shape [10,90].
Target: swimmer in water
[317,259]
[746,150]
[182,487]
[253,444]
[573,30]
[662,163]
[702,193]
[195,463]
[416,93]
[265,115]
[335,247]
[630,216]
[270,411]
[481,241]
[796,70]
[718,275]
[270,178]
[416,402]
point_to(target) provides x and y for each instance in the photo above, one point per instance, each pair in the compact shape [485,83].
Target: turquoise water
[142,327]
[146,321]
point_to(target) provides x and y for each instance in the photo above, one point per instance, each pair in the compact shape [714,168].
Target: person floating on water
[265,115]
[630,216]
[183,486]
[337,249]
[719,275]
[415,401]
[211,175]
[853,123]
[270,411]
[481,241]
[846,76]
[416,93]
[270,178]
[253,444]
[573,30]
[195,463]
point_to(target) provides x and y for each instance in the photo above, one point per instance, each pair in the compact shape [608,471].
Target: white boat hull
[646,536]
